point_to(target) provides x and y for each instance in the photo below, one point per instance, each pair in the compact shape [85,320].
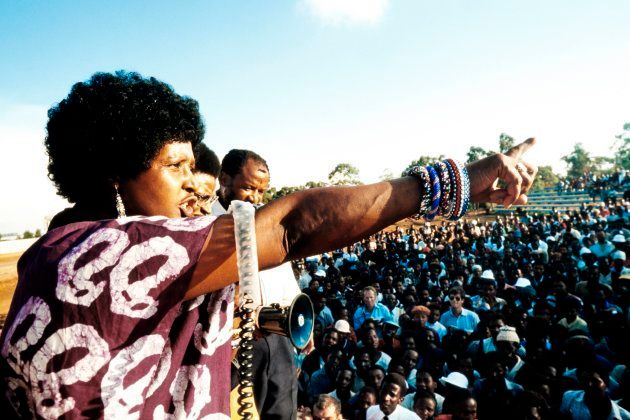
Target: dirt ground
[8,280]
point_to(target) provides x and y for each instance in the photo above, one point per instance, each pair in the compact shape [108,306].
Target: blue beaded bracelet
[435,193]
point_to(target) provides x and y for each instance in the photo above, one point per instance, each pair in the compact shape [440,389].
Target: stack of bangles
[445,189]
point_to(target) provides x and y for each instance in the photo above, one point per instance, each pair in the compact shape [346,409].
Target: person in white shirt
[327,408]
[391,395]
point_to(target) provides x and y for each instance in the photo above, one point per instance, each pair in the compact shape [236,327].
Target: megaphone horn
[295,321]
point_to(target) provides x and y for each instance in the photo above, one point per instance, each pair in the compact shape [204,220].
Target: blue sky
[311,83]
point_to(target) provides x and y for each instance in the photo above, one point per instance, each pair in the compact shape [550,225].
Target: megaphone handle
[245,358]
[246,252]
[249,299]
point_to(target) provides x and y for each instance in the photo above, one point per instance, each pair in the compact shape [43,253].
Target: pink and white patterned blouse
[98,325]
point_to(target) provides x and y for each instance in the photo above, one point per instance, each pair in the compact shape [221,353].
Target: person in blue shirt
[370,309]
[457,316]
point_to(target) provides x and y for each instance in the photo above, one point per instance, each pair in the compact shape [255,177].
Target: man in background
[244,176]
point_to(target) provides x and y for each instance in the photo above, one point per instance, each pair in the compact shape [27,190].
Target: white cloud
[347,11]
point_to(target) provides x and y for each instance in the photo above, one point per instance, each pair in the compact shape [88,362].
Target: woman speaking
[124,308]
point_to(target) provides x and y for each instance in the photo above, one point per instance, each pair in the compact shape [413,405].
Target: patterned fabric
[98,327]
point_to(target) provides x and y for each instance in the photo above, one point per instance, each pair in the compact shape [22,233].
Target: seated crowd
[520,317]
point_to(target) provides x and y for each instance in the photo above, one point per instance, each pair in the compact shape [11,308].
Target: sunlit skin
[391,396]
[328,413]
[205,185]
[425,381]
[424,408]
[250,184]
[369,299]
[375,378]
[457,303]
[167,188]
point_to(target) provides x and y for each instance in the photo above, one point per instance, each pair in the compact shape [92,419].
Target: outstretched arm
[317,220]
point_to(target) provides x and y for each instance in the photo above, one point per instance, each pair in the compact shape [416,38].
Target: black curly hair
[206,160]
[110,128]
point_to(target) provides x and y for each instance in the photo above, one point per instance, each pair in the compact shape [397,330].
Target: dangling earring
[120,207]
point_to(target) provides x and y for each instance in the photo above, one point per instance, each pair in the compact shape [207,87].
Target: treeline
[579,162]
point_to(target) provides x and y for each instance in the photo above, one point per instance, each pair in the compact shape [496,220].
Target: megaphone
[295,321]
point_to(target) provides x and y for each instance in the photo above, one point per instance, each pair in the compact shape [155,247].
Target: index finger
[517,151]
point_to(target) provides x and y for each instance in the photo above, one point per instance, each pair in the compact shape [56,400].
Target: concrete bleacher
[549,200]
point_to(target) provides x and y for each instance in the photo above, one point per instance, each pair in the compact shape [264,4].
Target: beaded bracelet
[463,184]
[422,174]
[465,189]
[435,193]
[445,183]
[452,202]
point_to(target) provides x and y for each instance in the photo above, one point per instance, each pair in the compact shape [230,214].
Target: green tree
[422,161]
[506,142]
[27,234]
[313,184]
[476,153]
[622,154]
[578,161]
[344,174]
[545,178]
[38,233]
[387,175]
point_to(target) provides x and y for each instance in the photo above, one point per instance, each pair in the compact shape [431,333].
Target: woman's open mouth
[187,207]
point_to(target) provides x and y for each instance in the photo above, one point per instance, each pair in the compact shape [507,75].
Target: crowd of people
[520,316]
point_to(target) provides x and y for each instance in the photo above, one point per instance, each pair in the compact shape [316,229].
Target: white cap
[320,273]
[619,255]
[342,326]
[476,267]
[619,238]
[456,379]
[522,282]
[585,250]
[508,334]
[488,275]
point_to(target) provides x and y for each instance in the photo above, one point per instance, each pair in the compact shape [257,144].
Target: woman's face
[166,188]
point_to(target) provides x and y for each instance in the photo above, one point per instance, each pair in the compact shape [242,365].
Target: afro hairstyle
[110,128]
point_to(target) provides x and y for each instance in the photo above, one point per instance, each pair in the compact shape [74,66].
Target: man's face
[366,400]
[456,301]
[424,408]
[424,380]
[435,316]
[375,378]
[363,362]
[410,359]
[248,185]
[468,410]
[331,339]
[205,191]
[344,379]
[328,413]
[369,299]
[390,300]
[372,340]
[390,398]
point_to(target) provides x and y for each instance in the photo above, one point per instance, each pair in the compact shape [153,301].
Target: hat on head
[619,255]
[619,238]
[624,276]
[456,379]
[342,326]
[585,250]
[487,275]
[507,333]
[522,282]
[320,273]
[476,267]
